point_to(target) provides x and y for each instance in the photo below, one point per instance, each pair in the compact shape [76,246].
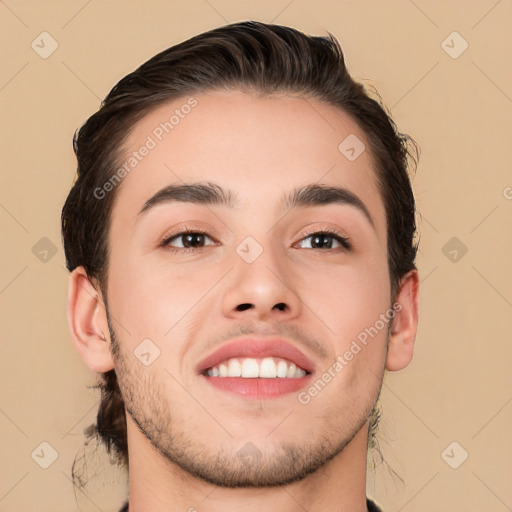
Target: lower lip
[257,388]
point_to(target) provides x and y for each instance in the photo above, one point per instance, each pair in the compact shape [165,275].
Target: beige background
[458,387]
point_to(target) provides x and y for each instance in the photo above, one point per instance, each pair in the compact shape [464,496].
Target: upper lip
[257,348]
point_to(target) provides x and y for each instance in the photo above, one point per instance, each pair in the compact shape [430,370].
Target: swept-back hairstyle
[247,56]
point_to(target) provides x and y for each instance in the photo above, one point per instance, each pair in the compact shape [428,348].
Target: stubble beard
[243,466]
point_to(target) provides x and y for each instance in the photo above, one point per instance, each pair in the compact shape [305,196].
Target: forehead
[259,147]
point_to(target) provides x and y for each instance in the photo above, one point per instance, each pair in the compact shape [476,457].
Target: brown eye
[189,240]
[323,241]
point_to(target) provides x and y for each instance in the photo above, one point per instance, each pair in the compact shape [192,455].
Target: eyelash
[165,242]
[344,241]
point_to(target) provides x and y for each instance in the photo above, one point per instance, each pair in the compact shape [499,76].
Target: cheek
[152,301]
[347,298]
[352,302]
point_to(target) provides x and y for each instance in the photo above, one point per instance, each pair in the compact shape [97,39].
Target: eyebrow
[318,195]
[199,193]
[212,194]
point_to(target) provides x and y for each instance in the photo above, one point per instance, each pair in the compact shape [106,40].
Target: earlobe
[87,322]
[405,323]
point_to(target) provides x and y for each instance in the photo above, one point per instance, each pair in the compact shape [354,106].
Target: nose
[261,290]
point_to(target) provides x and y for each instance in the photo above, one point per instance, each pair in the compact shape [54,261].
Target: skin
[183,434]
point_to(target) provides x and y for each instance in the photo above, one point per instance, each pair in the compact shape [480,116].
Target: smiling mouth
[252,368]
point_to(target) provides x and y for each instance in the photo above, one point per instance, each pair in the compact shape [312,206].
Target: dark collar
[369,504]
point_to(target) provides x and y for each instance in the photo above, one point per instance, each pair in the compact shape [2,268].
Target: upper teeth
[267,368]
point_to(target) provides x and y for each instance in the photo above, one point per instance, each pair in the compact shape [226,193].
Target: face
[248,292]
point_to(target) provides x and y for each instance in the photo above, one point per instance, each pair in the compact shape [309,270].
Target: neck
[159,485]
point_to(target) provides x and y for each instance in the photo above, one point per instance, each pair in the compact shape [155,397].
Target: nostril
[281,306]
[243,307]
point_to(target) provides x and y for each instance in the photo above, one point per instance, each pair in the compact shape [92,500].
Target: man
[241,245]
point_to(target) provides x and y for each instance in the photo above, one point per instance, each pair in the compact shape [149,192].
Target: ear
[87,322]
[405,323]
